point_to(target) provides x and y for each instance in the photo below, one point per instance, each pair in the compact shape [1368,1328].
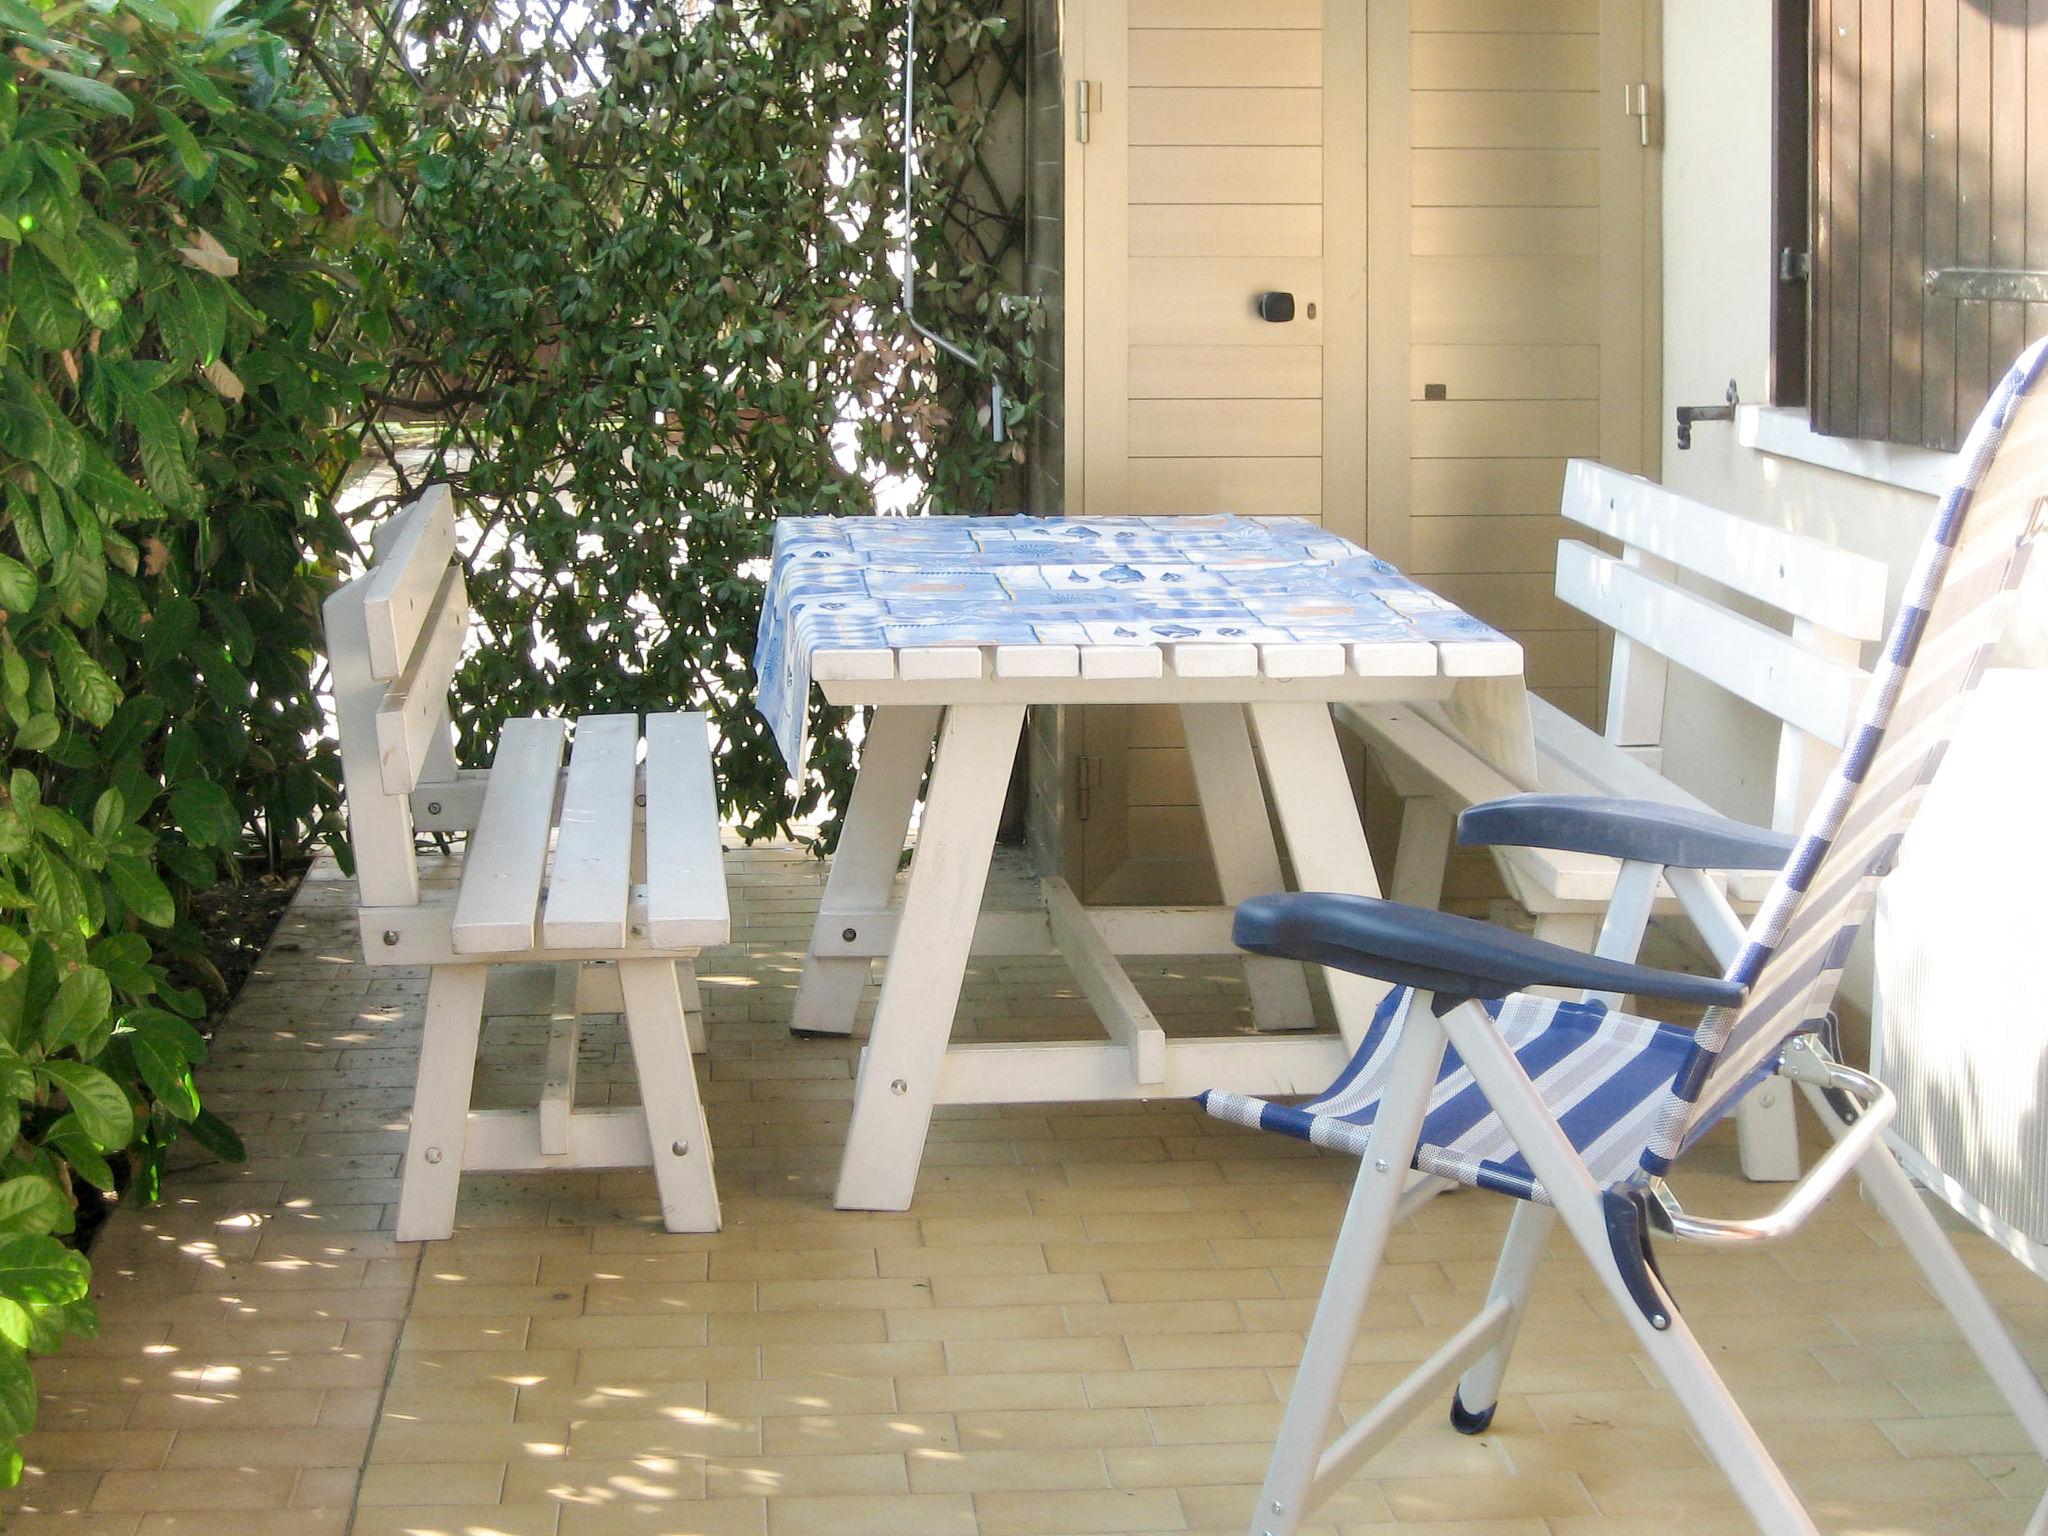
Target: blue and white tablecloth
[870,583]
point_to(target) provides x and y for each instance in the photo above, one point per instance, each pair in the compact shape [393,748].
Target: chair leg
[1479,1389]
[1727,1435]
[681,1145]
[1892,1192]
[1285,1500]
[440,1102]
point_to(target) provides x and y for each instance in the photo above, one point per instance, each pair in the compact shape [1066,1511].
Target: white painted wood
[1325,837]
[1302,659]
[1213,659]
[899,1070]
[1122,661]
[588,886]
[1037,661]
[1037,1072]
[892,764]
[1806,578]
[853,666]
[1128,931]
[939,663]
[1480,658]
[1156,686]
[380,826]
[1751,661]
[558,1071]
[508,1141]
[1394,658]
[406,579]
[1637,675]
[506,863]
[1102,980]
[415,709]
[1241,841]
[679,1142]
[686,900]
[422,934]
[435,1142]
[1428,828]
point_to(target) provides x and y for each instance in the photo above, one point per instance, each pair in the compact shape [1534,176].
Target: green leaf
[68,1139]
[25,427]
[43,299]
[165,1071]
[30,1204]
[40,1271]
[109,813]
[215,1134]
[96,94]
[205,814]
[97,1102]
[39,734]
[17,1394]
[82,683]
[141,890]
[162,445]
[196,161]
[17,585]
[84,999]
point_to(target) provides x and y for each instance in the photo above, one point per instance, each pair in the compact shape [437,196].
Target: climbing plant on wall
[652,307]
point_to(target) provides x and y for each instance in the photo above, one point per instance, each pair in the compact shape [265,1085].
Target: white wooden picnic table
[950,629]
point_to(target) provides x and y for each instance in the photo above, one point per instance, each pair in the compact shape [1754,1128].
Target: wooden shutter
[1927,117]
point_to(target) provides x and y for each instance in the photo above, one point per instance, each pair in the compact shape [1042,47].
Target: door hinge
[1088,779]
[1794,266]
[1635,103]
[1087,102]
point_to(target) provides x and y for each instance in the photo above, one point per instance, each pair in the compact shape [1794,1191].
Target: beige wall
[1718,267]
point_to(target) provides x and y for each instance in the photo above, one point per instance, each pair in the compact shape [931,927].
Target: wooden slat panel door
[1214,147]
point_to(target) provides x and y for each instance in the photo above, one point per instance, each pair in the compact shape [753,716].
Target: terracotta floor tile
[1085,1323]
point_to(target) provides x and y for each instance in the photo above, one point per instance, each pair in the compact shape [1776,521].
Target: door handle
[1275,307]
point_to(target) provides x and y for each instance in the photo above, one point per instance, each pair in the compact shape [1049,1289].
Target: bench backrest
[394,639]
[1805,675]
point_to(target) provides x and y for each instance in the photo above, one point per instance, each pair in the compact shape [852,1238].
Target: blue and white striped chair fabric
[1604,1074]
[1630,1093]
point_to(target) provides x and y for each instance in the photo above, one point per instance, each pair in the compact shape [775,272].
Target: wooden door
[1223,162]
[1462,191]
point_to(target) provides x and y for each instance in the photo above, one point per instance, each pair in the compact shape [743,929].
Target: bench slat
[416,704]
[589,887]
[686,903]
[405,579]
[1751,661]
[1835,588]
[508,852]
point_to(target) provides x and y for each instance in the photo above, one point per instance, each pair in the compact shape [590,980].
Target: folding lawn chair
[1579,1110]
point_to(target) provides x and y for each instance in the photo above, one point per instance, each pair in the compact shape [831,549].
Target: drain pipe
[995,387]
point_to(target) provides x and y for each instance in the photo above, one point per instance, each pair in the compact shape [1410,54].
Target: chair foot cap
[1466,1422]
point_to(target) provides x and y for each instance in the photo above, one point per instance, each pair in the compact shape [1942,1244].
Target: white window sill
[1784,431]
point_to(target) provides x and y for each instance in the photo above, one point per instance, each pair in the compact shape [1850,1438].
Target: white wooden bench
[607,873]
[1806,675]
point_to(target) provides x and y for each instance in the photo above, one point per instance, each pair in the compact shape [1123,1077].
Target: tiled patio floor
[1084,1325]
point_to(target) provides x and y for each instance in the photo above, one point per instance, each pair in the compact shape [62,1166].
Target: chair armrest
[1455,957]
[1641,830]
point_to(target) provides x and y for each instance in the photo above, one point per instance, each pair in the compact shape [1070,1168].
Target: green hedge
[655,307]
[171,217]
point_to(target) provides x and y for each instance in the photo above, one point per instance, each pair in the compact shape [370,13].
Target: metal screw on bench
[899,1086]
[848,934]
[390,935]
[433,807]
[680,1148]
[433,1154]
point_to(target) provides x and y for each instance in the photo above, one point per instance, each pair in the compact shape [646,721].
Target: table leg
[899,1070]
[892,760]
[1247,859]
[1325,834]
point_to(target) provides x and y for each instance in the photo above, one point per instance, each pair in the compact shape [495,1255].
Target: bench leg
[899,743]
[435,1144]
[1420,860]
[681,1145]
[1241,841]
